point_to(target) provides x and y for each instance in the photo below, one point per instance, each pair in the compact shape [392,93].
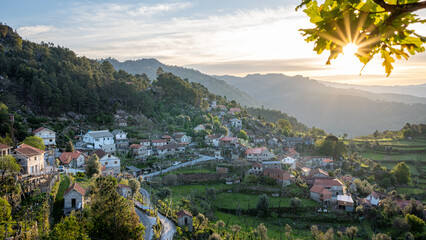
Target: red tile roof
[76,187]
[182,213]
[257,150]
[327,182]
[159,140]
[38,130]
[67,157]
[235,110]
[28,150]
[227,139]
[327,160]
[145,140]
[4,146]
[166,137]
[135,146]
[278,174]
[318,170]
[321,190]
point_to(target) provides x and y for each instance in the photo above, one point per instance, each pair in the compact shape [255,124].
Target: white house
[145,142]
[374,199]
[291,162]
[182,138]
[258,154]
[100,140]
[111,162]
[159,142]
[256,169]
[236,123]
[30,158]
[120,138]
[48,136]
[213,140]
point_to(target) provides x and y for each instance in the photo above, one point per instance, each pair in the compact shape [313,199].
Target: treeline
[51,80]
[408,131]
[273,116]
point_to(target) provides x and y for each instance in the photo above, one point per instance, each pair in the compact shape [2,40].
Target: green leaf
[387,61]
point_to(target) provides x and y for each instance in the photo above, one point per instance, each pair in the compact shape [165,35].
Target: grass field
[246,201]
[59,200]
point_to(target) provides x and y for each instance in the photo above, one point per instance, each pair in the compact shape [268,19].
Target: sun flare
[350,49]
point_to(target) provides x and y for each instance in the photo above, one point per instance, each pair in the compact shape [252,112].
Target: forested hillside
[51,80]
[216,86]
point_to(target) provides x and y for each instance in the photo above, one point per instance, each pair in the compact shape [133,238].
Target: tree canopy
[374,26]
[35,141]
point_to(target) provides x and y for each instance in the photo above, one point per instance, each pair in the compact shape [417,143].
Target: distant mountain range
[336,108]
[413,90]
[150,66]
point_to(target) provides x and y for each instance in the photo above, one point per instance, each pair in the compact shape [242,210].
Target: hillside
[216,86]
[335,110]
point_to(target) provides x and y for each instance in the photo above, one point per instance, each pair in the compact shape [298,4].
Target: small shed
[124,190]
[185,220]
[74,198]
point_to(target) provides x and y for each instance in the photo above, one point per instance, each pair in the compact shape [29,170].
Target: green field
[246,201]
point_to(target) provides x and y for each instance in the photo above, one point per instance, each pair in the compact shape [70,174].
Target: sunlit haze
[215,37]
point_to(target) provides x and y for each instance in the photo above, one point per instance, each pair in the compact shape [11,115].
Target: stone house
[74,198]
[184,219]
[282,177]
[159,142]
[212,140]
[320,194]
[111,162]
[48,136]
[258,154]
[182,138]
[345,202]
[140,151]
[256,169]
[72,159]
[124,190]
[228,142]
[30,158]
[333,185]
[272,164]
[259,140]
[121,140]
[373,198]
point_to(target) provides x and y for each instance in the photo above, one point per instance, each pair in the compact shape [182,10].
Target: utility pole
[12,121]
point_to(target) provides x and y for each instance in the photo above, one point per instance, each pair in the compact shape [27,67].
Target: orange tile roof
[38,130]
[182,213]
[4,146]
[135,146]
[76,187]
[257,150]
[327,182]
[67,157]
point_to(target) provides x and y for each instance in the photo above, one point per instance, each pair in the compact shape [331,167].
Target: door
[73,203]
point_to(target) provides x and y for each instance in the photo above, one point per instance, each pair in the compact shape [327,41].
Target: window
[50,140]
[115,162]
[106,163]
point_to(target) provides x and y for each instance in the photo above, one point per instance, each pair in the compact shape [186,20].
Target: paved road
[169,228]
[203,158]
[148,222]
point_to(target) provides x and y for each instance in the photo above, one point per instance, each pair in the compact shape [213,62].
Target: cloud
[30,31]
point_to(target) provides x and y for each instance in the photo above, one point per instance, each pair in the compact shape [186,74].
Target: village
[244,156]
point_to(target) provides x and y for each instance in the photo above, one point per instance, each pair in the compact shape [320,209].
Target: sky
[217,37]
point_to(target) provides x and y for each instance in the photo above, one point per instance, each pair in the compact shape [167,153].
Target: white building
[111,162]
[48,136]
[120,138]
[259,154]
[291,162]
[236,123]
[100,140]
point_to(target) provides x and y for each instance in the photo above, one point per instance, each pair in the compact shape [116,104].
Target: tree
[295,203]
[69,228]
[8,167]
[400,225]
[288,230]
[164,193]
[210,194]
[262,205]
[374,26]
[416,224]
[135,185]
[69,147]
[112,216]
[351,232]
[35,141]
[170,180]
[243,135]
[215,236]
[402,173]
[381,236]
[93,166]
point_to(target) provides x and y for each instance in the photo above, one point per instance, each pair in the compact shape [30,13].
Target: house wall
[49,138]
[68,199]
[31,165]
[111,162]
[181,222]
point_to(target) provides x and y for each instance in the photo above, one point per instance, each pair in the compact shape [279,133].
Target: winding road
[169,228]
